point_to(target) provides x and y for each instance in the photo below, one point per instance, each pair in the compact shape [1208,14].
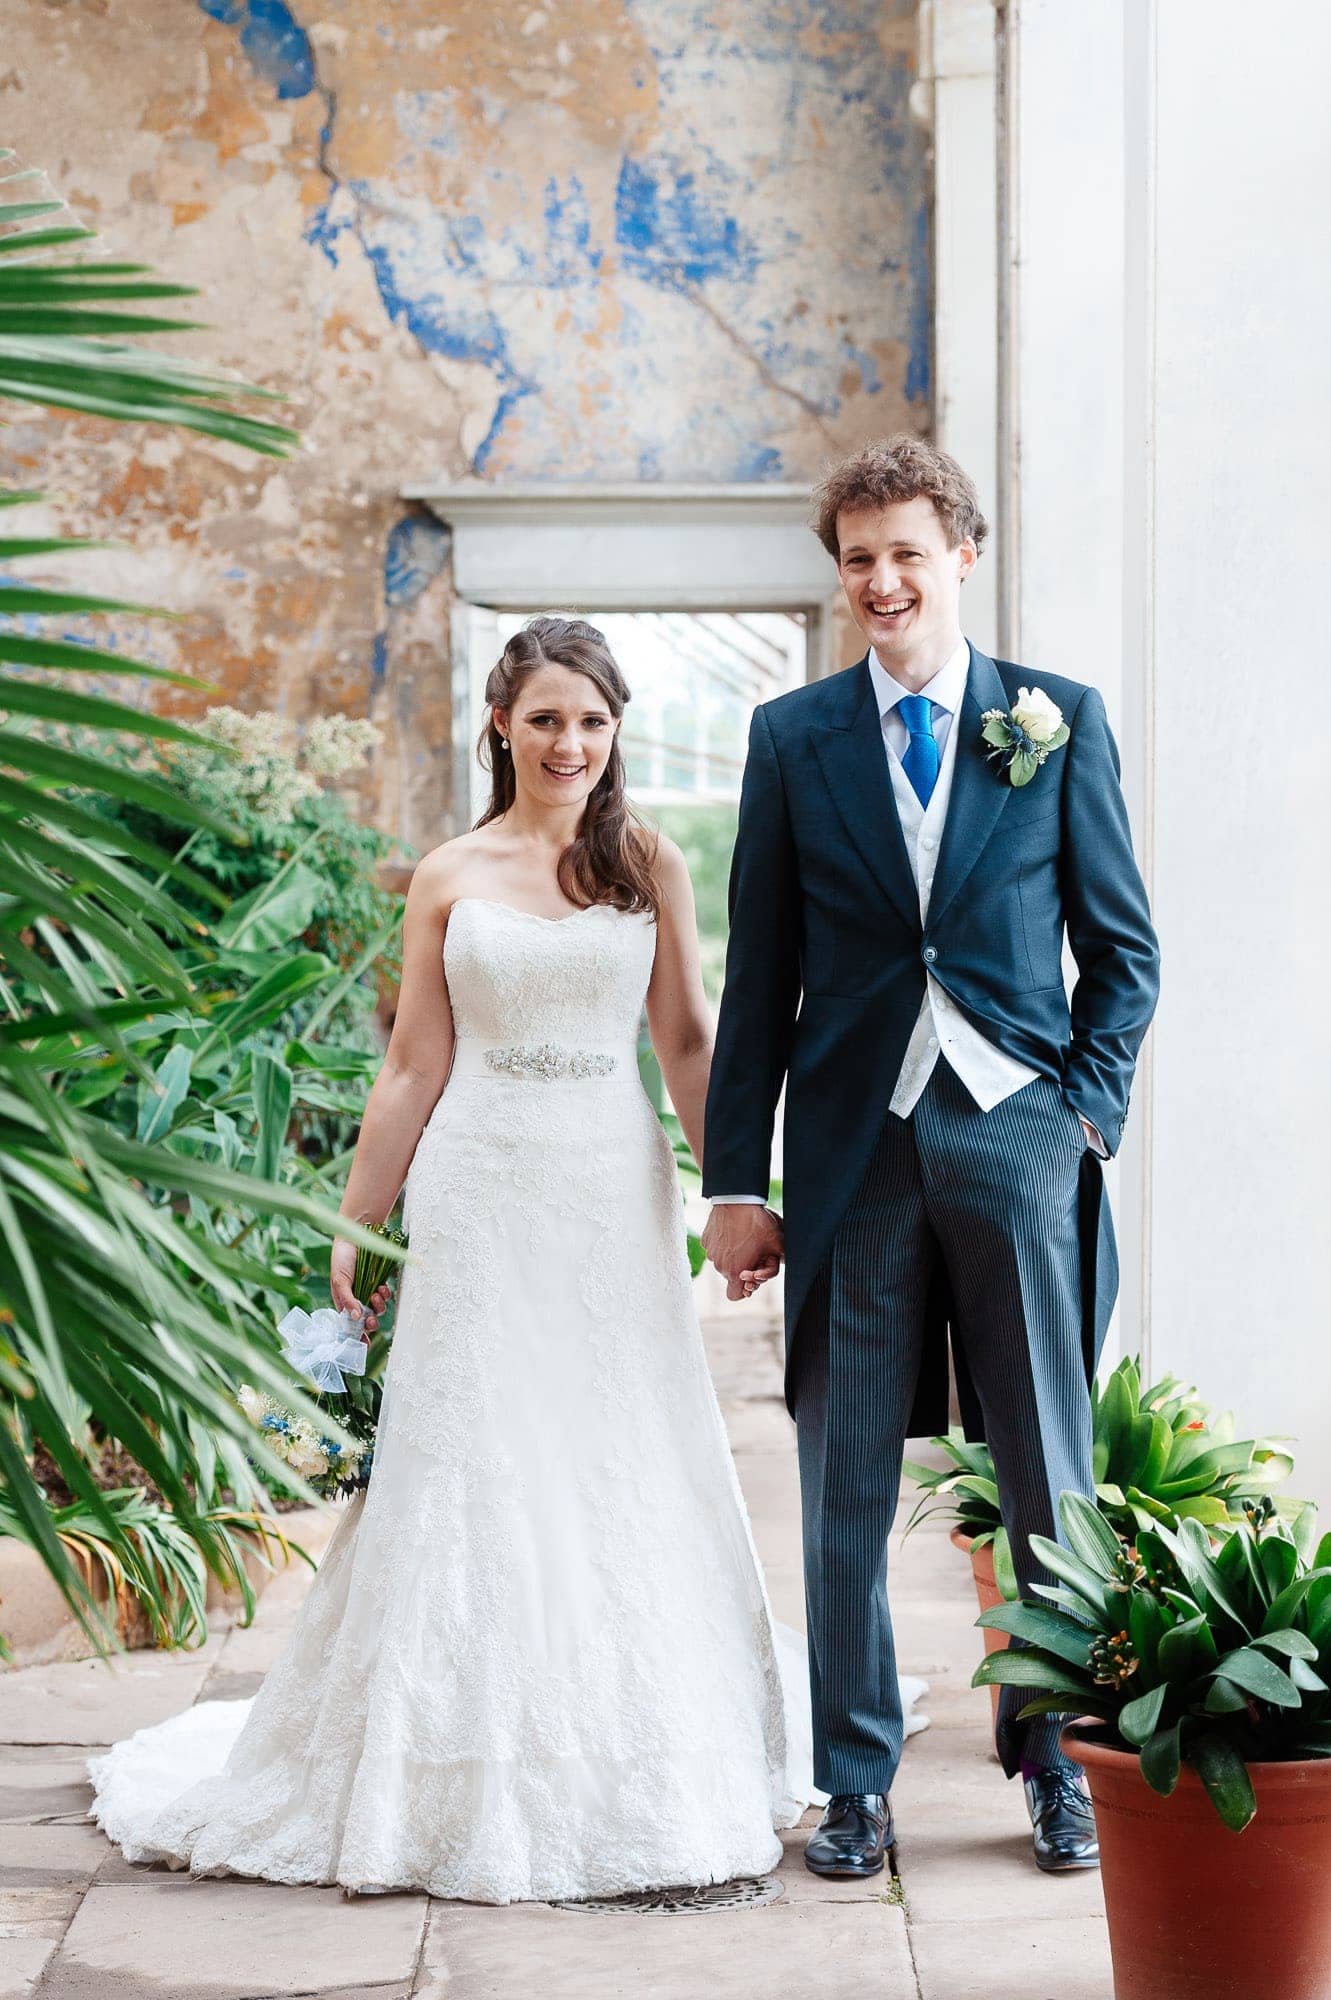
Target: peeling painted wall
[618,239]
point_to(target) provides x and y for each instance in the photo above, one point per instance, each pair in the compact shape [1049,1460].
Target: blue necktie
[920,762]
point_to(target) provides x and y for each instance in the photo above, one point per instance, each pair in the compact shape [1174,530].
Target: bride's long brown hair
[610,858]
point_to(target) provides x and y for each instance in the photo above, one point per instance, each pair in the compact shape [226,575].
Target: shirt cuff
[1097,1144]
[732,1200]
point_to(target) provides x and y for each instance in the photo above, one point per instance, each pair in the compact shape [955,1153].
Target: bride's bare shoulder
[440,874]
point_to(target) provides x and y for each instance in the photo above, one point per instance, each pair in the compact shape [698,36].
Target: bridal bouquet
[327,1347]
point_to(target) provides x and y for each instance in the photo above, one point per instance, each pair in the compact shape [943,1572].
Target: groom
[898,908]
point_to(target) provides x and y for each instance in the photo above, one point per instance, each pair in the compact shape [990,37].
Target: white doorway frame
[632,547]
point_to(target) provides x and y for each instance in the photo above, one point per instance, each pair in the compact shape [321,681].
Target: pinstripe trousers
[991,1198]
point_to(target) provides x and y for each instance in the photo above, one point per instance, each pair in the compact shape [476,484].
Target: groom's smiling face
[901,579]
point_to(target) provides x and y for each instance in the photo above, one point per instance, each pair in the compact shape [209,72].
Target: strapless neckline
[535,917]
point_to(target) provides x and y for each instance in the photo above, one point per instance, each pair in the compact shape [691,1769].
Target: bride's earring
[503,742]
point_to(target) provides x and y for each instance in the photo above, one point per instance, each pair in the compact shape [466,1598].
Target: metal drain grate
[741,1895]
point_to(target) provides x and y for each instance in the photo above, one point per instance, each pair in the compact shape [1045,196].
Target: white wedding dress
[537,1660]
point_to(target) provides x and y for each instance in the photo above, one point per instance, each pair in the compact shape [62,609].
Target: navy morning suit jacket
[827,957]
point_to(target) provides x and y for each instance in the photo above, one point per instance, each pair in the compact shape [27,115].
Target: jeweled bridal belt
[542,1062]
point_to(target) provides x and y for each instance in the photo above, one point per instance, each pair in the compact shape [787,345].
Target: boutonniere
[1023,738]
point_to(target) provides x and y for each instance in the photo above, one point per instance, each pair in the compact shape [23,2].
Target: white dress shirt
[940,1026]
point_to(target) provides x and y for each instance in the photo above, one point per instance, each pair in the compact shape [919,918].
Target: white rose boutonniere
[1023,739]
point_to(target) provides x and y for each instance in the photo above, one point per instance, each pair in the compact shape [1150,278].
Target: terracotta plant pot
[988,1593]
[1197,1912]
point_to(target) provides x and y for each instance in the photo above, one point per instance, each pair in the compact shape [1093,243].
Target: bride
[537,1660]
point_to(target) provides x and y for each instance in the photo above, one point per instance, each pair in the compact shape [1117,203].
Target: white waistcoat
[987,1073]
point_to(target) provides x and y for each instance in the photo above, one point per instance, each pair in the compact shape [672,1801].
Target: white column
[1167,292]
[957,99]
[1230,485]
[1060,366]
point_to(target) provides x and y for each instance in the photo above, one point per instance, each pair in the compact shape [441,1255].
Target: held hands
[746,1244]
[341,1274]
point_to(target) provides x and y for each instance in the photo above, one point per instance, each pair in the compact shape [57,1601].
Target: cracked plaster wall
[615,239]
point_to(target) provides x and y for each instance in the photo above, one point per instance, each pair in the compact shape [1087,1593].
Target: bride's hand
[341,1274]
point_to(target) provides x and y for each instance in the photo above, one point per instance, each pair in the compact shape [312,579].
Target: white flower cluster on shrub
[276,765]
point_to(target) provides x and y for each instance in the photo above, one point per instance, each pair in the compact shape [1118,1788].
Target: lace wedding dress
[537,1659]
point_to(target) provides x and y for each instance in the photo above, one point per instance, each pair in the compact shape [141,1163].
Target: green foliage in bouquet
[1160,1454]
[1219,1656]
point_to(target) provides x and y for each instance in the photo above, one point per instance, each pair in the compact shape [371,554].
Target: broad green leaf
[1279,1560]
[271,1091]
[158,1107]
[1224,1698]
[1225,1776]
[1160,1759]
[1016,1667]
[1187,1650]
[1252,1670]
[1052,1631]
[1089,1535]
[59,704]
[1139,1719]
[1294,1645]
[274,912]
[1285,1607]
[1005,1575]
[1202,1507]
[1078,1576]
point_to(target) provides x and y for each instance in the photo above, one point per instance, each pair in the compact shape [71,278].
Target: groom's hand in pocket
[745,1243]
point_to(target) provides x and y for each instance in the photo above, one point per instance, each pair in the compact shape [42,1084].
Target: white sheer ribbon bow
[323,1345]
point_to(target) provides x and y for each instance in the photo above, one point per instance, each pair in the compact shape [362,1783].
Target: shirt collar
[946,688]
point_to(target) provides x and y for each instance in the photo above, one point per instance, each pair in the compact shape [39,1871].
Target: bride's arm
[415,1066]
[677,1011]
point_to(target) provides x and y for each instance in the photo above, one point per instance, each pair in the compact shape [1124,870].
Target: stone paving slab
[1063,1958]
[36,1912]
[50,1857]
[977,1865]
[96,1701]
[226,1939]
[22,1961]
[796,1948]
[39,1784]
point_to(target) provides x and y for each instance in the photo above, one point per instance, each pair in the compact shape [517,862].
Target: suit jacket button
[930,954]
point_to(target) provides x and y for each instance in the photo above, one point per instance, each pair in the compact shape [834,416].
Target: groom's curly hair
[899,468]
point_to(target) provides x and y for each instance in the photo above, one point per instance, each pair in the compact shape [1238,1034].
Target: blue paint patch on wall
[870,380]
[568,230]
[504,409]
[325,231]
[763,462]
[668,232]
[418,548]
[470,333]
[379,656]
[273,39]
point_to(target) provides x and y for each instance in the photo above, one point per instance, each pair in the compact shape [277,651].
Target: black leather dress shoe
[1063,1820]
[852,1837]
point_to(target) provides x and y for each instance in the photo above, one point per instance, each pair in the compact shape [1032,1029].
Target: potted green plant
[1160,1454]
[1200,1673]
